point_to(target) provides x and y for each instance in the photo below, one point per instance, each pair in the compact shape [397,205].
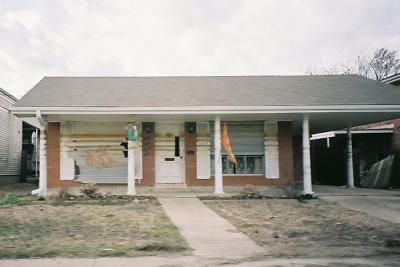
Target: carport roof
[209,91]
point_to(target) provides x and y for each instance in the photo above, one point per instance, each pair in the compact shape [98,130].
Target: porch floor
[203,191]
[179,190]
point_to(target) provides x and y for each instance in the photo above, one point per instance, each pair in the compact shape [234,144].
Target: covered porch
[178,148]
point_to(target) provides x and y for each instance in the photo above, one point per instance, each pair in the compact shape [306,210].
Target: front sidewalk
[193,261]
[206,232]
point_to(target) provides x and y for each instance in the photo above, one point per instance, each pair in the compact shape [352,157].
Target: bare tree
[358,66]
[384,63]
[381,65]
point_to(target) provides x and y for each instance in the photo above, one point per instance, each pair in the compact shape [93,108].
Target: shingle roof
[209,91]
[394,79]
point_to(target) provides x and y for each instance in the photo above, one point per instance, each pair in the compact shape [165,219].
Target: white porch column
[217,157]
[43,163]
[307,184]
[131,169]
[350,173]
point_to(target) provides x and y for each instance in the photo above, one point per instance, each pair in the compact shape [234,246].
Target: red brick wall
[286,169]
[396,135]
[298,157]
[148,154]
[190,153]
[53,157]
[285,144]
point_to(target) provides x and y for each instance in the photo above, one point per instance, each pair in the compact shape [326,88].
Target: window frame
[226,162]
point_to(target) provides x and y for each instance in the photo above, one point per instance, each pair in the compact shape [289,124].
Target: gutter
[331,134]
[30,111]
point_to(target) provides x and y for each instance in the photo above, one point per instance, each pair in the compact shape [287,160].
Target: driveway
[382,204]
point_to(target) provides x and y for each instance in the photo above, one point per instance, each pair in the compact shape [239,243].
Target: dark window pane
[224,165]
[254,165]
[240,166]
[177,153]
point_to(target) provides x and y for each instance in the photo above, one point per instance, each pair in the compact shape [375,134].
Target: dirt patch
[134,228]
[314,228]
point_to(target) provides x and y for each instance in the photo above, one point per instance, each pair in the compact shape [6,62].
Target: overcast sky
[182,37]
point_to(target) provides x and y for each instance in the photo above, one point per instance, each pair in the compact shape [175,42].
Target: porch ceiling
[319,122]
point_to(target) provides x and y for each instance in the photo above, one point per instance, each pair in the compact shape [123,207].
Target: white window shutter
[203,150]
[67,164]
[271,149]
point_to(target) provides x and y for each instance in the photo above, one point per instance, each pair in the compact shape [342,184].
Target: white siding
[10,140]
[96,149]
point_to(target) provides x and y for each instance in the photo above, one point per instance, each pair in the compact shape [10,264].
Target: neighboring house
[395,123]
[328,153]
[10,140]
[393,80]
[179,120]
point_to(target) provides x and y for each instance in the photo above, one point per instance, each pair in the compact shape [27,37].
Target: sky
[187,37]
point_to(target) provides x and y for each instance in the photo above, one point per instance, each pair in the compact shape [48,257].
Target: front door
[169,153]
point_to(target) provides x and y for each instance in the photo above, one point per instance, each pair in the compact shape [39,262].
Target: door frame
[181,135]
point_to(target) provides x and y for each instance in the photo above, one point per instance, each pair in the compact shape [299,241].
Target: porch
[185,150]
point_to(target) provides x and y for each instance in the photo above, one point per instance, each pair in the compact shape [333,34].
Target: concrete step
[170,186]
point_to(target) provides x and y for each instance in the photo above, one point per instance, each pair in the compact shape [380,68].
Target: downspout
[42,191]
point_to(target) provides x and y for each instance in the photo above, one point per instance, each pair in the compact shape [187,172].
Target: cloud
[181,37]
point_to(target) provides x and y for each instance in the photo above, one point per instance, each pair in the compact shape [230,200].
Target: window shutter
[271,150]
[203,150]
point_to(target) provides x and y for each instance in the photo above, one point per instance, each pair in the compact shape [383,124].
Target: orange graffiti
[99,157]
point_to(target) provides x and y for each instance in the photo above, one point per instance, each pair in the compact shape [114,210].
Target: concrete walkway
[381,207]
[206,232]
[330,190]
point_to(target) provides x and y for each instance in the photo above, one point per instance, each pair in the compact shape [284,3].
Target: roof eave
[31,111]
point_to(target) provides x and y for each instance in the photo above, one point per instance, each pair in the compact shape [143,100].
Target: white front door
[169,153]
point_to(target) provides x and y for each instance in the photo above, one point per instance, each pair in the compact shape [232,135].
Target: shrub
[63,194]
[90,191]
[249,192]
[10,199]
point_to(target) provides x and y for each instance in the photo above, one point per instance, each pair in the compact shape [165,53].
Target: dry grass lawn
[20,189]
[87,229]
[316,228]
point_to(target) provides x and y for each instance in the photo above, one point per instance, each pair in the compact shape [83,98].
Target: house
[10,140]
[89,124]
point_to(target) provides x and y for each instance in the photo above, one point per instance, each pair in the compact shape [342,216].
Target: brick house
[179,122]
